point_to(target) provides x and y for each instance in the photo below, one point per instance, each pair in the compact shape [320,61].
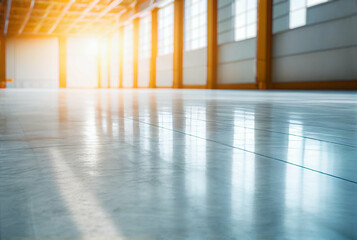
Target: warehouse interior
[178,119]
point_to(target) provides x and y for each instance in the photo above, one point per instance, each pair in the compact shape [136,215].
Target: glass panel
[166,30]
[240,33]
[252,31]
[195,24]
[240,6]
[145,37]
[298,18]
[297,4]
[298,11]
[128,56]
[245,19]
[315,2]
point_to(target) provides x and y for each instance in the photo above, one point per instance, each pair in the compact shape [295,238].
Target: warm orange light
[91,46]
[103,47]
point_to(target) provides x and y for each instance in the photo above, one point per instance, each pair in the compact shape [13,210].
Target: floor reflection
[195,155]
[79,200]
[300,149]
[171,164]
[165,123]
[244,130]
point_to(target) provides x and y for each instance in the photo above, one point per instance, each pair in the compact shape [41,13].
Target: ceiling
[61,17]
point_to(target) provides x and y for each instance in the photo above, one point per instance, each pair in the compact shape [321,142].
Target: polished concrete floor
[177,164]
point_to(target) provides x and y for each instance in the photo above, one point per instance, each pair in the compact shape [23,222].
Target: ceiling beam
[7,18]
[27,17]
[36,15]
[115,26]
[39,25]
[45,35]
[153,4]
[83,14]
[103,13]
[16,24]
[63,13]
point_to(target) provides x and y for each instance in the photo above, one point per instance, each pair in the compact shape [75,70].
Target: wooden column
[99,64]
[264,44]
[121,56]
[212,43]
[62,62]
[136,23]
[109,47]
[2,62]
[154,36]
[178,42]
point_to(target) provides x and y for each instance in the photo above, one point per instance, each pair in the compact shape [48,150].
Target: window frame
[165,41]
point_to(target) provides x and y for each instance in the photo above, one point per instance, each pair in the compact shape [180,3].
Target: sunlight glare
[92,46]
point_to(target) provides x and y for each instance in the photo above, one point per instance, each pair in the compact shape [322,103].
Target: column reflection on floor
[166,164]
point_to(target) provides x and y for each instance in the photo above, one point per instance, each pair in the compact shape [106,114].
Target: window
[114,60]
[128,43]
[311,3]
[298,11]
[166,30]
[195,24]
[128,56]
[245,19]
[145,37]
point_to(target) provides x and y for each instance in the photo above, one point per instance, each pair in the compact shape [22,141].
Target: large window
[298,11]
[195,24]
[245,19]
[145,37]
[82,61]
[128,56]
[166,30]
[128,43]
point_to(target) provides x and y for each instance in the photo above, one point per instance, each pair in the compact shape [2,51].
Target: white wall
[144,72]
[128,74]
[104,62]
[82,62]
[164,71]
[236,62]
[323,50]
[32,62]
[195,67]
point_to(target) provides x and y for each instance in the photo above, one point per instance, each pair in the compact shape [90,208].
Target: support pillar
[154,39]
[109,50]
[99,65]
[212,44]
[264,44]
[62,62]
[136,23]
[2,63]
[121,56]
[178,42]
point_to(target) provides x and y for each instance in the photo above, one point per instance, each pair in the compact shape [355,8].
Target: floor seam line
[259,154]
[295,135]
